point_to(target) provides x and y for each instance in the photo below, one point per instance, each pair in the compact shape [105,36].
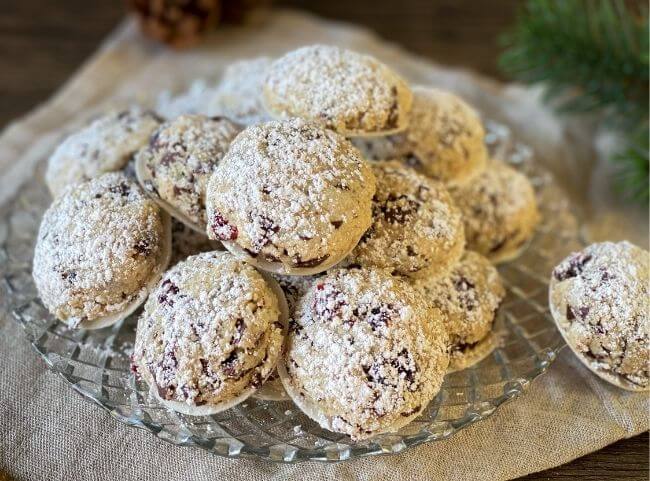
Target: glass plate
[96,363]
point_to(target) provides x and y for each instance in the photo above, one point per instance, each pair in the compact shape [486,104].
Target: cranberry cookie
[239,94]
[210,334]
[101,246]
[468,299]
[106,145]
[445,139]
[499,210]
[365,354]
[416,229]
[178,161]
[599,300]
[353,94]
[290,197]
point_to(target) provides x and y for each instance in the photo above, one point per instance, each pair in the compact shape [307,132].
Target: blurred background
[43,41]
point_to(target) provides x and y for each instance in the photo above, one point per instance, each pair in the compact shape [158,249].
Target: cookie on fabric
[599,301]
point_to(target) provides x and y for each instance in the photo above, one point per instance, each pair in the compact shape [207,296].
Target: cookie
[350,93]
[599,301]
[445,139]
[178,161]
[293,287]
[365,354]
[101,246]
[210,334]
[468,298]
[499,210]
[290,197]
[416,229]
[188,242]
[194,99]
[105,145]
[239,94]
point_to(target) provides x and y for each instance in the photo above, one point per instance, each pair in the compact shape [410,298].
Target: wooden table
[43,42]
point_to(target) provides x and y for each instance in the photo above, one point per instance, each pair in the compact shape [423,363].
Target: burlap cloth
[49,432]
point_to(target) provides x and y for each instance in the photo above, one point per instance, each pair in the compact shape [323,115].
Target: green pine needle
[634,167]
[591,55]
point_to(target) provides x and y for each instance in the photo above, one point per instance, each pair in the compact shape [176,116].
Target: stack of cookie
[331,235]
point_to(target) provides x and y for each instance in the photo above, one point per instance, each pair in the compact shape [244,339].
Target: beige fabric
[48,432]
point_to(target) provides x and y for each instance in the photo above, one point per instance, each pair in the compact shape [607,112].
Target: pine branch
[591,55]
[635,167]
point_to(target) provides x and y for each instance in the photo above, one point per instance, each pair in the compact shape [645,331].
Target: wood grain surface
[42,43]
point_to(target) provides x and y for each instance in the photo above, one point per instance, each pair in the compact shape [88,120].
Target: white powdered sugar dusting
[210,332]
[445,138]
[349,92]
[196,99]
[600,297]
[239,94]
[180,158]
[416,227]
[499,210]
[365,354]
[291,192]
[468,298]
[105,145]
[98,246]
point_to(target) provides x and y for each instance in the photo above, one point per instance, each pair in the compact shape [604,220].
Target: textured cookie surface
[351,93]
[499,210]
[416,230]
[599,299]
[179,160]
[445,138]
[292,194]
[105,145]
[98,246]
[365,354]
[210,333]
[468,298]
[239,94]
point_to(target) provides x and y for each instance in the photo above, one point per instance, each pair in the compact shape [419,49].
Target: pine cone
[179,23]
[238,11]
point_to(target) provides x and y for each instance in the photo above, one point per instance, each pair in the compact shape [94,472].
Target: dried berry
[222,229]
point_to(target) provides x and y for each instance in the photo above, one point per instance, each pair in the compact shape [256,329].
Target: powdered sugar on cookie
[105,145]
[365,354]
[179,160]
[211,332]
[499,211]
[351,93]
[239,94]
[98,246]
[291,193]
[416,231]
[599,297]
